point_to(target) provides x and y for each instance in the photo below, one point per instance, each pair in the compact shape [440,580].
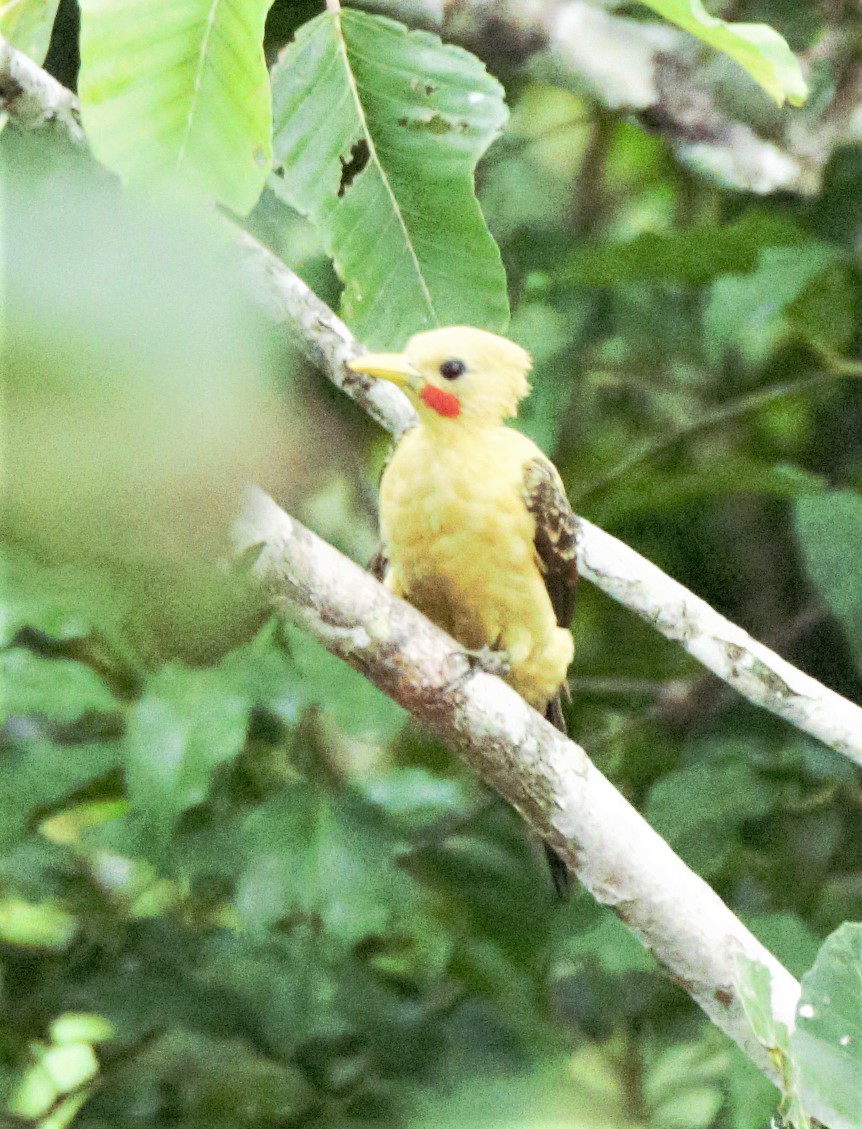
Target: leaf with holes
[756,47]
[377,133]
[176,91]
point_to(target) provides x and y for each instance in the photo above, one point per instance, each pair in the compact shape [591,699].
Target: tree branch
[745,665]
[550,780]
[32,98]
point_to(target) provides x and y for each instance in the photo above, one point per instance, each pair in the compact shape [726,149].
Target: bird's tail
[560,876]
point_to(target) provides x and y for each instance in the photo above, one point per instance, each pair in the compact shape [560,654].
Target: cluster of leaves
[237,886]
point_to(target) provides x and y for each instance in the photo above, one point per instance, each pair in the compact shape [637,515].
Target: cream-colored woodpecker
[476,527]
[477,531]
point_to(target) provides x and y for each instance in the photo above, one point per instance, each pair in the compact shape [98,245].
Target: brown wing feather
[378,565]
[556,536]
[556,542]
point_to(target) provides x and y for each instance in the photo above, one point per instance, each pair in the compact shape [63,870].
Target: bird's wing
[556,535]
[378,565]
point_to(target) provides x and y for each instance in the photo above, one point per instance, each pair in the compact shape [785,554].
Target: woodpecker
[476,528]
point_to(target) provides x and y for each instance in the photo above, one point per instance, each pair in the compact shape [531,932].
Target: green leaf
[827,1042]
[55,688]
[695,255]
[611,946]
[752,1097]
[185,725]
[176,91]
[63,602]
[26,24]
[677,1087]
[756,47]
[824,314]
[321,679]
[829,529]
[755,994]
[46,925]
[72,1027]
[747,312]
[377,133]
[327,857]
[698,808]
[787,937]
[38,775]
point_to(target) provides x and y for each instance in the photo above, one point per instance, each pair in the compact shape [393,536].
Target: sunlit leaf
[44,925]
[177,91]
[377,133]
[756,47]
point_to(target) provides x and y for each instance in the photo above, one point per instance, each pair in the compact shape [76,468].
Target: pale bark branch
[745,665]
[32,98]
[546,777]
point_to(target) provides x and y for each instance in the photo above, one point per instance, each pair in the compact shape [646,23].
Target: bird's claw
[489,660]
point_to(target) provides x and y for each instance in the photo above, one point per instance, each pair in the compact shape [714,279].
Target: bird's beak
[388,366]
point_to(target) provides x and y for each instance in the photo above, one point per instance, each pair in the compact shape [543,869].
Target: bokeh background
[287,904]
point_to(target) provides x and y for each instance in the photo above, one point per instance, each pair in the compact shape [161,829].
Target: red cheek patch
[443,403]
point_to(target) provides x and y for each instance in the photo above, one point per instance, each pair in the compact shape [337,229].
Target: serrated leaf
[756,47]
[827,1042]
[377,133]
[27,24]
[176,91]
[829,529]
[184,726]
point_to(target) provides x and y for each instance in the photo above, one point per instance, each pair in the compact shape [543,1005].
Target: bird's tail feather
[560,875]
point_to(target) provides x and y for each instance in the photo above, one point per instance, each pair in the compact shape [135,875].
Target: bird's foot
[489,660]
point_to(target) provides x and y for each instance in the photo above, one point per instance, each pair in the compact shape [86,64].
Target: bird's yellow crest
[456,372]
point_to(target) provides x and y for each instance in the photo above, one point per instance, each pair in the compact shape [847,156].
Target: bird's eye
[451,370]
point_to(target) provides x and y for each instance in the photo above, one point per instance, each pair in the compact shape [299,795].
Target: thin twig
[736,409]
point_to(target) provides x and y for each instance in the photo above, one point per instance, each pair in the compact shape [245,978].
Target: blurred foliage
[238,886]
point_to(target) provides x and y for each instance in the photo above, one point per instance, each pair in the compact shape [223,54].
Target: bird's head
[456,373]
